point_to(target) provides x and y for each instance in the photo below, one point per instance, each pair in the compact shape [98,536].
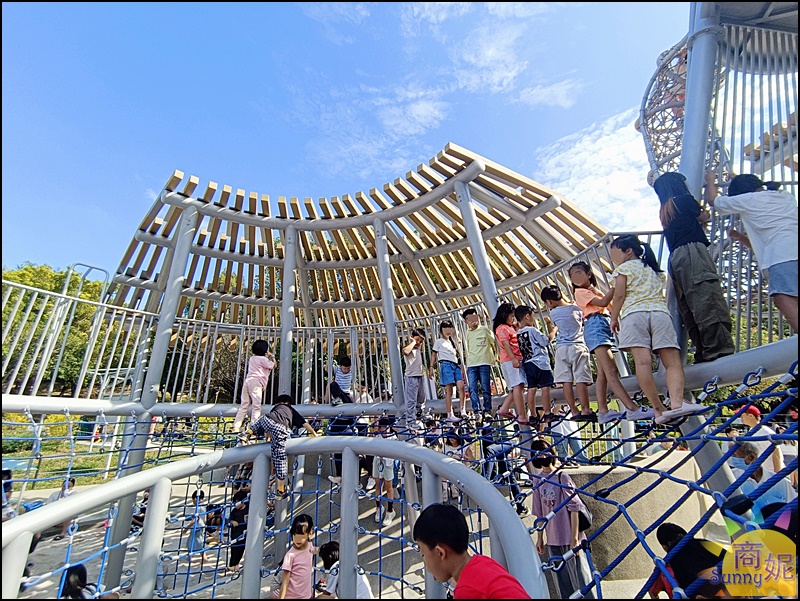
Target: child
[535,360]
[561,530]
[445,355]
[238,525]
[572,354]
[510,362]
[600,341]
[329,553]
[443,537]
[383,471]
[278,424]
[454,447]
[697,558]
[298,563]
[196,528]
[340,389]
[770,217]
[76,585]
[480,358]
[640,315]
[259,366]
[499,446]
[702,305]
[414,379]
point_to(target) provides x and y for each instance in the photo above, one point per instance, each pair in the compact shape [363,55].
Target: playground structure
[210,270]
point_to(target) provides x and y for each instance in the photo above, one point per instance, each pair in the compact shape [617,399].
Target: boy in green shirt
[480,358]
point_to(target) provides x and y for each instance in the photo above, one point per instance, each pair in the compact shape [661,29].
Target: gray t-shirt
[414,362]
[569,320]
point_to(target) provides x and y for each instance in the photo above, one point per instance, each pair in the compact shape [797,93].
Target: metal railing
[511,543]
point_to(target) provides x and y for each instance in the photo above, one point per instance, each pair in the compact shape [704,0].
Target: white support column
[389,318]
[479,256]
[138,442]
[288,294]
[703,42]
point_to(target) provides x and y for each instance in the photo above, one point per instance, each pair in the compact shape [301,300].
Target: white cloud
[331,14]
[563,94]
[415,15]
[413,118]
[603,171]
[488,60]
[517,10]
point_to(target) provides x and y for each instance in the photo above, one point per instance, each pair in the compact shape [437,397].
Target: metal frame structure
[511,544]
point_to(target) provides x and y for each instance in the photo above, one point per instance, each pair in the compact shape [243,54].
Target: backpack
[585,516]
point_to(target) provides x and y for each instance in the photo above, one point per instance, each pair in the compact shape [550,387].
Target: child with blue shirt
[572,354]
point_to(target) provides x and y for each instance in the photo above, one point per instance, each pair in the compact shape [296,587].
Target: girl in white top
[640,316]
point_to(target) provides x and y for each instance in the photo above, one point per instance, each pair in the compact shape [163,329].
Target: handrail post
[15,558]
[152,538]
[348,528]
[432,493]
[256,520]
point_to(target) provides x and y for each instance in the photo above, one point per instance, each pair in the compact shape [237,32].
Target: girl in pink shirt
[298,564]
[505,332]
[261,363]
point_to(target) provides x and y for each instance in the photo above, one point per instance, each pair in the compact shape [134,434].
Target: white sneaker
[379,515]
[685,409]
[370,483]
[389,518]
[453,418]
[337,480]
[640,413]
[609,416]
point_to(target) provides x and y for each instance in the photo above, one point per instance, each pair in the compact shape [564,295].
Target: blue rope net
[198,542]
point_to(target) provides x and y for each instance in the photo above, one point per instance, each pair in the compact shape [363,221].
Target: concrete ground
[399,564]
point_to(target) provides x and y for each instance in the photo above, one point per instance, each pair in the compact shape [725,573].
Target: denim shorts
[536,376]
[449,373]
[783,278]
[597,331]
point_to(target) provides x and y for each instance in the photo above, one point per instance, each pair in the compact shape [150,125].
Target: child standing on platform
[505,331]
[640,315]
[480,358]
[600,341]
[259,366]
[278,425]
[572,354]
[535,360]
[446,356]
[414,382]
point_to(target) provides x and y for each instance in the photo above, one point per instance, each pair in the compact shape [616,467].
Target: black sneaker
[585,417]
[522,511]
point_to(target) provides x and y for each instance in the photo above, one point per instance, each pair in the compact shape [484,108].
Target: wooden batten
[236,274]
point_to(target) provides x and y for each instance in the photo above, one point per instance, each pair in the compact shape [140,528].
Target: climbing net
[619,474]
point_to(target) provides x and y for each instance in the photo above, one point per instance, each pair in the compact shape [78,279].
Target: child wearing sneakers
[535,360]
[259,367]
[640,315]
[383,472]
[444,354]
[600,342]
[278,424]
[572,354]
[505,331]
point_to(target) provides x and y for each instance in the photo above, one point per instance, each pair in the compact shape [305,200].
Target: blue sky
[101,102]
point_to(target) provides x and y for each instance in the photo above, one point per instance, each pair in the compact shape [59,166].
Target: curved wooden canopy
[236,262]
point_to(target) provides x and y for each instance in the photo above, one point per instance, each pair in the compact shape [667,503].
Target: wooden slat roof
[235,266]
